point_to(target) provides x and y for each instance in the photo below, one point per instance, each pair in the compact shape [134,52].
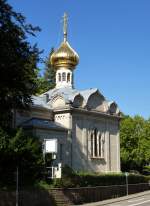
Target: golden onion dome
[64,56]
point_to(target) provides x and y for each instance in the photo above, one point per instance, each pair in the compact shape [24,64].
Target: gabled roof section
[67,93]
[38,101]
[42,123]
[113,108]
[87,93]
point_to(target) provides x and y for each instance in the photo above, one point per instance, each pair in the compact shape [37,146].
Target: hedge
[73,179]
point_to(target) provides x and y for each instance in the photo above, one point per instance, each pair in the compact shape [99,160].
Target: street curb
[105,202]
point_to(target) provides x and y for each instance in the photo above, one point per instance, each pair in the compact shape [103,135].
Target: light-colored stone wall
[81,139]
[65,119]
[81,124]
[62,140]
[82,127]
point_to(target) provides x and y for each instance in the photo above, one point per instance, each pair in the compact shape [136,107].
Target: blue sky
[112,38]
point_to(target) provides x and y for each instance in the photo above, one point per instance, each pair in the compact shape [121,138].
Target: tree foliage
[49,73]
[18,61]
[135,143]
[18,149]
[47,81]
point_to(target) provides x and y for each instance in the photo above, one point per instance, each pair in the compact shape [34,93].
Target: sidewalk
[106,202]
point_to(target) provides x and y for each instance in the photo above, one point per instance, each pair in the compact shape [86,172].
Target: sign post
[50,145]
[17,188]
[127,189]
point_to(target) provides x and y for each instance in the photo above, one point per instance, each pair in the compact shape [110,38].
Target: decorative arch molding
[96,101]
[78,101]
[57,101]
[113,108]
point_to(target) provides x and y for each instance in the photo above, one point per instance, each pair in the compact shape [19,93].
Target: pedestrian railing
[99,193]
[74,195]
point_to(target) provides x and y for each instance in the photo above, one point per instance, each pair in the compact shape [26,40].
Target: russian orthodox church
[84,123]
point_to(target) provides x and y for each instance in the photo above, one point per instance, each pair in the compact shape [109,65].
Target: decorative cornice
[87,112]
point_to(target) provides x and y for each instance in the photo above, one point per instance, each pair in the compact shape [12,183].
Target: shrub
[135,179]
[146,170]
[69,178]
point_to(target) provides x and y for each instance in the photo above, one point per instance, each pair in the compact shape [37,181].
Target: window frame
[97,144]
[63,76]
[68,77]
[59,77]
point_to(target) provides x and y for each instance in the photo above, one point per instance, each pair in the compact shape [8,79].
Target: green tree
[145,142]
[49,74]
[18,62]
[18,149]
[135,143]
[47,81]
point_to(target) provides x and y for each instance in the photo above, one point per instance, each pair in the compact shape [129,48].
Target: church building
[84,123]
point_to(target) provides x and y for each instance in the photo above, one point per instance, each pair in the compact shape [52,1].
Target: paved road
[136,201]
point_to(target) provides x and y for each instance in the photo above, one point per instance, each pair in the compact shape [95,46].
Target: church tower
[64,60]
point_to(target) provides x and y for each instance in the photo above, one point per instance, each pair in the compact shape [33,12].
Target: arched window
[63,76]
[68,77]
[100,145]
[59,77]
[97,144]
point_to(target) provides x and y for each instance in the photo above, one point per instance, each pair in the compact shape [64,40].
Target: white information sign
[50,145]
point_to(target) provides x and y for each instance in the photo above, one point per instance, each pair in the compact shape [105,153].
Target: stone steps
[60,198]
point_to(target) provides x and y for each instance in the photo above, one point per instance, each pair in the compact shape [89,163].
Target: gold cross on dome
[65,21]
